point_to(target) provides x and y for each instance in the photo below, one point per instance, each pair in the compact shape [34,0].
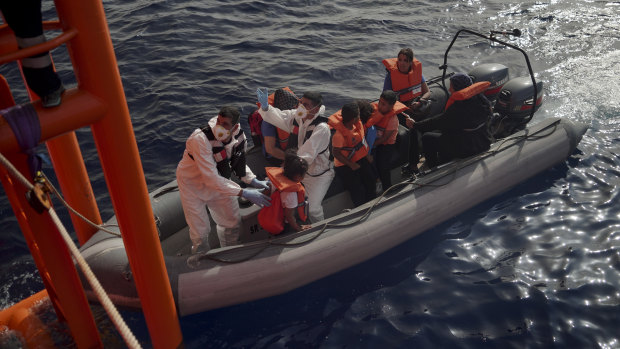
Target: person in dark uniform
[461,130]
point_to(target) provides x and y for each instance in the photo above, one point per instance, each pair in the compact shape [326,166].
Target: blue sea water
[538,266]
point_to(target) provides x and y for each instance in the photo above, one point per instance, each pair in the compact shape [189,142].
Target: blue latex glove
[256,197]
[260,184]
[371,135]
[263,98]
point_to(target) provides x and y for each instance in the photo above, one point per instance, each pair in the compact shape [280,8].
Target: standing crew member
[212,154]
[310,134]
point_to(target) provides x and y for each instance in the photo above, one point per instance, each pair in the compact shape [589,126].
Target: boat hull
[272,267]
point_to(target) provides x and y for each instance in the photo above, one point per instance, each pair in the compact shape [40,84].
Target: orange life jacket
[467,93]
[407,86]
[272,218]
[379,120]
[355,146]
[282,138]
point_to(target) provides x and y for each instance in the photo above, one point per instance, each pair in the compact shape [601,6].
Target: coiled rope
[109,307]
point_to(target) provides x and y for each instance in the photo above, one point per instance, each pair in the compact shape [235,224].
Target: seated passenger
[288,196]
[351,154]
[404,76]
[385,119]
[275,140]
[461,130]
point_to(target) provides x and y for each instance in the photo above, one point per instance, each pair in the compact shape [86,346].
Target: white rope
[16,174]
[66,204]
[109,307]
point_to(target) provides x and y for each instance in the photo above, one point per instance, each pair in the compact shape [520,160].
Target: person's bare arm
[426,94]
[338,155]
[384,137]
[289,213]
[272,149]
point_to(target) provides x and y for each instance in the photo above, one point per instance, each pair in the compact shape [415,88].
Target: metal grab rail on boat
[491,37]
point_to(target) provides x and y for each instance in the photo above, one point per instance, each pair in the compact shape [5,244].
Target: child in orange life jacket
[351,154]
[286,184]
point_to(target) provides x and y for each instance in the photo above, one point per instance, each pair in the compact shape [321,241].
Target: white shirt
[288,198]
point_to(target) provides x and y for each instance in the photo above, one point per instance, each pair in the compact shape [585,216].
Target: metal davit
[98,102]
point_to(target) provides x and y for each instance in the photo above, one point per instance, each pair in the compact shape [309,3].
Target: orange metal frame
[98,102]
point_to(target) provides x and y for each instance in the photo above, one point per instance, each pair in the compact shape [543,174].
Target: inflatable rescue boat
[263,265]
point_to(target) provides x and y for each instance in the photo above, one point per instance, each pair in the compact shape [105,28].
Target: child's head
[386,101]
[294,167]
[365,109]
[350,113]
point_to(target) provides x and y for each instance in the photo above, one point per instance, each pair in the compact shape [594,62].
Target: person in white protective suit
[211,155]
[310,134]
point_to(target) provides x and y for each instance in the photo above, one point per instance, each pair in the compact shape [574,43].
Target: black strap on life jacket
[293,139]
[354,148]
[226,166]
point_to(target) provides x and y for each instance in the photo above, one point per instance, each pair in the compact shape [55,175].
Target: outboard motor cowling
[515,98]
[495,73]
[514,105]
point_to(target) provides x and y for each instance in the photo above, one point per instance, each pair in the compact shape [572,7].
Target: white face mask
[301,111]
[220,133]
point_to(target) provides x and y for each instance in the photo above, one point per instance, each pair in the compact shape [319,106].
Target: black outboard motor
[514,106]
[495,73]
[516,103]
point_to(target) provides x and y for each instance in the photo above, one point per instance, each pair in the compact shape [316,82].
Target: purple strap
[24,122]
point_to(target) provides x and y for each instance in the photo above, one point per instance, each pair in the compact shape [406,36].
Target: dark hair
[350,111]
[459,81]
[407,52]
[314,96]
[293,164]
[230,112]
[365,108]
[389,96]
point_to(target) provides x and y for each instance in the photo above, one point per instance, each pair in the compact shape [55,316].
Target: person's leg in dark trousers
[414,150]
[437,148]
[385,154]
[368,179]
[25,19]
[352,182]
[430,144]
[414,145]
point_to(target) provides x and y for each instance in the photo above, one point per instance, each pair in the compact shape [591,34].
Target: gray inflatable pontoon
[263,266]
